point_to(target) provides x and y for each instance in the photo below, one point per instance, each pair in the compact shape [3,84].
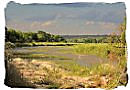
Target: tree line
[106,39]
[14,36]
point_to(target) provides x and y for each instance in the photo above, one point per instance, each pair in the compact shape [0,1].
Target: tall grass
[72,68]
[101,50]
[111,52]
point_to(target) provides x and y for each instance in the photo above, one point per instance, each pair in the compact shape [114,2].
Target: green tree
[58,38]
[41,36]
[12,35]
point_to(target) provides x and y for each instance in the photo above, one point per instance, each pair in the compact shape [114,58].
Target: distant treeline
[92,38]
[107,39]
[14,36]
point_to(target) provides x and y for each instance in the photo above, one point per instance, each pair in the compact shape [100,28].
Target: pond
[61,53]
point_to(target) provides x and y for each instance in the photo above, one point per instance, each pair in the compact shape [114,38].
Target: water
[63,51]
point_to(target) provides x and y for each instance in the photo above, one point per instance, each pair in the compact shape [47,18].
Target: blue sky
[71,18]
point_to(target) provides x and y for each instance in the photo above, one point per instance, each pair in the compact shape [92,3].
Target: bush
[9,51]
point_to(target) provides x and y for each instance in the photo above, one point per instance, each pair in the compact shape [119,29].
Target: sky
[66,18]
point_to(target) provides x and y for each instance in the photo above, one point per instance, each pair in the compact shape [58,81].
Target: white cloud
[47,23]
[89,22]
[35,24]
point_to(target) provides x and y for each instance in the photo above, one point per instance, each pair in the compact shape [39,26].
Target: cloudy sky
[67,19]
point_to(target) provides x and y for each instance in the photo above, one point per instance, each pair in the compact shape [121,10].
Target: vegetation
[101,50]
[69,74]
[16,36]
[122,28]
[44,44]
[106,39]
[9,51]
[32,38]
[58,69]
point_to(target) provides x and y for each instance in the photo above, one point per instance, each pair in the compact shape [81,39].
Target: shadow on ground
[14,79]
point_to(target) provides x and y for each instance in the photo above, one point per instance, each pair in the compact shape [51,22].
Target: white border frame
[3,4]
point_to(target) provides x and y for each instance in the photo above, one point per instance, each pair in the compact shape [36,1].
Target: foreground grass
[113,75]
[57,74]
[72,67]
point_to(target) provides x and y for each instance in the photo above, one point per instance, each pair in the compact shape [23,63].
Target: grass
[98,49]
[51,78]
[111,52]
[111,73]
[45,44]
[72,68]
[40,56]
[108,51]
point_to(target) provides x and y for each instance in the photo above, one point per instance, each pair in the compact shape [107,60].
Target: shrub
[9,51]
